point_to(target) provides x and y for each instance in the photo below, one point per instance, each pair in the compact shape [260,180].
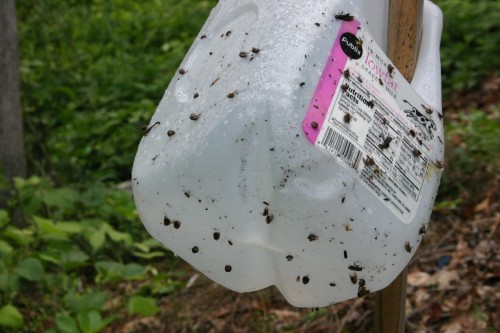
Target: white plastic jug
[266,163]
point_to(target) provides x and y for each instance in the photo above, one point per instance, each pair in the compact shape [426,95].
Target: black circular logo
[351,45]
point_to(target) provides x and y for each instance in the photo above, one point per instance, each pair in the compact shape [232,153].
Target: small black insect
[428,110]
[381,82]
[362,282]
[344,17]
[359,79]
[438,164]
[368,161]
[195,249]
[228,268]
[166,221]
[440,115]
[194,117]
[386,143]
[416,152]
[177,224]
[243,54]
[333,284]
[216,235]
[354,278]
[302,84]
[228,33]
[146,130]
[255,50]
[347,117]
[170,133]
[371,104]
[346,73]
[362,291]
[408,247]
[317,24]
[343,199]
[289,257]
[412,133]
[314,125]
[196,95]
[422,230]
[305,279]
[312,237]
[390,69]
[187,194]
[232,94]
[182,71]
[355,267]
[345,254]
[344,87]
[269,218]
[203,37]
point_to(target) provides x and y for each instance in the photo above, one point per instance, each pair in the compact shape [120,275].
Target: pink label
[327,85]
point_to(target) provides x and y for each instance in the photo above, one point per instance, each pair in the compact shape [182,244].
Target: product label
[366,114]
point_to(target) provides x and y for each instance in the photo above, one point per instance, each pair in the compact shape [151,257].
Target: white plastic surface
[240,193]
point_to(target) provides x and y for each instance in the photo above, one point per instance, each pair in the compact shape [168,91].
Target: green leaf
[92,322]
[90,301]
[66,324]
[116,235]
[48,227]
[70,227]
[73,259]
[5,248]
[95,237]
[30,269]
[150,255]
[11,317]
[109,271]
[4,218]
[134,272]
[144,306]
[22,237]
[63,198]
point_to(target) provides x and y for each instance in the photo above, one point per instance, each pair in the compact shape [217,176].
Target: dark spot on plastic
[194,117]
[170,133]
[195,249]
[243,54]
[289,257]
[314,125]
[355,267]
[166,221]
[269,218]
[408,247]
[216,235]
[312,237]
[305,279]
[177,224]
[228,268]
[345,254]
[255,50]
[182,71]
[354,278]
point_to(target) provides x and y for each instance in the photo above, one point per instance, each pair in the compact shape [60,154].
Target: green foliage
[79,242]
[469,48]
[92,73]
[473,156]
[145,306]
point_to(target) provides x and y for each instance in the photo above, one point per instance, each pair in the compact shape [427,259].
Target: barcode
[342,147]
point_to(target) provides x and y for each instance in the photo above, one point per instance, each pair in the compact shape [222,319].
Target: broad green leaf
[144,306]
[73,259]
[11,317]
[22,237]
[70,227]
[48,227]
[90,301]
[117,236]
[95,237]
[109,271]
[5,248]
[134,272]
[92,322]
[66,324]
[30,269]
[63,198]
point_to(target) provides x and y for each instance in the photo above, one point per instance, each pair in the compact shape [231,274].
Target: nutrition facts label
[374,121]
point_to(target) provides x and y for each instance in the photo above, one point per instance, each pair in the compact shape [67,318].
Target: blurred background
[92,73]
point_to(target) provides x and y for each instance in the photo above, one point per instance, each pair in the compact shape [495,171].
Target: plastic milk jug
[289,151]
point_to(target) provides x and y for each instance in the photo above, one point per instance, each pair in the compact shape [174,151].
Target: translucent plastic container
[227,175]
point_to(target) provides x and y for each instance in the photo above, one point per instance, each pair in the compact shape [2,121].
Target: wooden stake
[403,44]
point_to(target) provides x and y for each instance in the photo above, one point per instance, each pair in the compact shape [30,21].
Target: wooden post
[403,44]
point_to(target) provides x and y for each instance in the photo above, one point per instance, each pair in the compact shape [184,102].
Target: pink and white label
[367,116]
